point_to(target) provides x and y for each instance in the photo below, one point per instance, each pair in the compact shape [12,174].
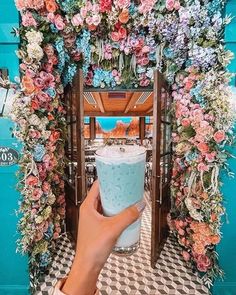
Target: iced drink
[121,179]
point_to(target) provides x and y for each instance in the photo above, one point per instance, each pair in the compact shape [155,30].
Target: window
[117,127]
[148,127]
[86,127]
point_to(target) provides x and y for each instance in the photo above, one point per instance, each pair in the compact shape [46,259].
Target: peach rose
[186,255]
[185,122]
[215,239]
[115,37]
[219,136]
[124,16]
[203,147]
[203,263]
[31,180]
[122,33]
[28,84]
[35,104]
[51,5]
[202,167]
[199,248]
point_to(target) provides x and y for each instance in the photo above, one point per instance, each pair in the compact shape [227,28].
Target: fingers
[127,216]
[93,195]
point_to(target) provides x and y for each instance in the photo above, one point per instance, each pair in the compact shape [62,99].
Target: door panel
[161,173]
[75,175]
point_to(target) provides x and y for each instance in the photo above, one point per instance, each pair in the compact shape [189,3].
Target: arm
[96,238]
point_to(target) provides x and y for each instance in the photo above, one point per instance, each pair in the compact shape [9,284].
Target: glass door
[162,165]
[75,174]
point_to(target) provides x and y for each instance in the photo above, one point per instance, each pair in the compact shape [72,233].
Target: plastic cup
[120,172]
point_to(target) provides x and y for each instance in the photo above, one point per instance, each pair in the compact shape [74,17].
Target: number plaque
[8,156]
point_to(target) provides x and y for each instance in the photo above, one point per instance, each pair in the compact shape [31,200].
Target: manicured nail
[140,206]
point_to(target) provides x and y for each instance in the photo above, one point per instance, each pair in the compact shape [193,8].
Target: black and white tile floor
[133,275]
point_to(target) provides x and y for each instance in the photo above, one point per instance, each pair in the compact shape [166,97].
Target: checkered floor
[133,275]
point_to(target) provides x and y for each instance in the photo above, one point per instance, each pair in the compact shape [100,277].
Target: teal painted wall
[14,277]
[9,18]
[227,247]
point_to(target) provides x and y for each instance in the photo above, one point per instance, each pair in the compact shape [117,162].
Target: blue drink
[121,179]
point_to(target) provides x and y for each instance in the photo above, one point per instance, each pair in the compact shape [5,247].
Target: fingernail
[140,206]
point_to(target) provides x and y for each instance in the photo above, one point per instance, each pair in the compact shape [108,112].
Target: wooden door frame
[157,189]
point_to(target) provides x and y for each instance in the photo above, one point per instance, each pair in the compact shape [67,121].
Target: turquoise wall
[9,18]
[227,247]
[14,278]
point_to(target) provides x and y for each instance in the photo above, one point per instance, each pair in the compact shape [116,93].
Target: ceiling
[118,103]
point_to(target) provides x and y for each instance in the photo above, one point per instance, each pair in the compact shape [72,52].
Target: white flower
[34,51]
[192,211]
[34,120]
[45,134]
[34,37]
[51,198]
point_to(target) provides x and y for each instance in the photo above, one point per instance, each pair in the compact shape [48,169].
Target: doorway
[146,121]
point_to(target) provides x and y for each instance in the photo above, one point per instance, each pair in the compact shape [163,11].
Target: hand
[97,236]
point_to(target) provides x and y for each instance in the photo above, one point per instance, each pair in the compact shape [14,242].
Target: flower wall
[118,44]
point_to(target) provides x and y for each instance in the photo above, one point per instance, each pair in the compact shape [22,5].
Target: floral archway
[118,44]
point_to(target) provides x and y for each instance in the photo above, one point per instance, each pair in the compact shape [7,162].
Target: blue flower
[53,28]
[59,45]
[45,259]
[69,74]
[105,76]
[51,92]
[168,53]
[39,152]
[49,233]
[191,156]
[83,46]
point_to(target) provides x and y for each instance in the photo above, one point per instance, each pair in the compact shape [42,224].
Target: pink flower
[39,83]
[33,212]
[77,20]
[181,232]
[34,4]
[202,167]
[89,20]
[122,33]
[219,136]
[210,157]
[83,11]
[185,122]
[203,263]
[55,236]
[177,5]
[186,255]
[203,147]
[144,83]
[49,50]
[51,17]
[31,180]
[46,187]
[170,4]
[28,20]
[34,133]
[96,19]
[122,3]
[36,194]
[115,36]
[143,61]
[55,135]
[145,49]
[114,73]
[61,199]
[60,25]
[105,5]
